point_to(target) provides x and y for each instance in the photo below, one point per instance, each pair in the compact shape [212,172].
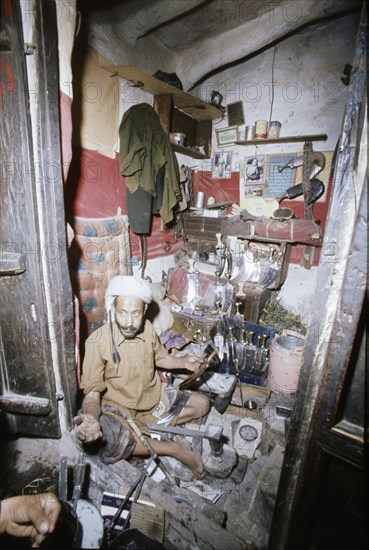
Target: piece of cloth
[133,385]
[139,208]
[118,442]
[127,285]
[144,149]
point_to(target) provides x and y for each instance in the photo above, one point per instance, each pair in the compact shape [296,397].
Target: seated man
[119,379]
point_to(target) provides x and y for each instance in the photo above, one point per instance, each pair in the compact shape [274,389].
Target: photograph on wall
[222,164]
[227,136]
[254,170]
[235,114]
[280,176]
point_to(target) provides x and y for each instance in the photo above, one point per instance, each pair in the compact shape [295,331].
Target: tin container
[285,362]
[178,138]
[274,129]
[200,199]
[249,133]
[261,129]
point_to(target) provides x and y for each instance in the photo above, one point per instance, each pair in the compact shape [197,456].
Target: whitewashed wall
[309,98]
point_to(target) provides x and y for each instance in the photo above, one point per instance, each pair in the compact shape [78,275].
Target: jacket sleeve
[132,152]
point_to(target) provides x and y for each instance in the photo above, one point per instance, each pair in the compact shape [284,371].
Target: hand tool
[228,288]
[63,479]
[212,433]
[250,351]
[77,489]
[193,285]
[219,249]
[146,443]
[200,371]
[317,190]
[238,322]
[170,390]
[109,526]
[317,163]
[218,292]
[177,406]
[236,365]
[221,402]
[219,342]
[230,341]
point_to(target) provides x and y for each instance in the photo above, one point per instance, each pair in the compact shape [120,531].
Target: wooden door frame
[39,100]
[338,305]
[48,153]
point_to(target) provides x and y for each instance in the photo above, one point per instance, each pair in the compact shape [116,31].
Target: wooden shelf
[287,139]
[189,104]
[189,152]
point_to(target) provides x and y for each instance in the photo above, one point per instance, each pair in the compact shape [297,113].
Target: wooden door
[36,326]
[321,494]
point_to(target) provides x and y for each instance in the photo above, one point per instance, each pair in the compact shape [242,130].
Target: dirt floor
[230,508]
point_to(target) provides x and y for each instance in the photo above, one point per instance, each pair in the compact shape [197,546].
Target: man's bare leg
[181,450]
[196,407]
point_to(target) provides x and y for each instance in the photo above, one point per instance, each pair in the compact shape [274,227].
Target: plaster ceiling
[197,38]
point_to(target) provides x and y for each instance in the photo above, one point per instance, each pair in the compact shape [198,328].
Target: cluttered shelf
[191,105]
[181,115]
[287,139]
[189,151]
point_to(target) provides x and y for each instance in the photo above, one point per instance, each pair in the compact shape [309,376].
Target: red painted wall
[228,190]
[94,188]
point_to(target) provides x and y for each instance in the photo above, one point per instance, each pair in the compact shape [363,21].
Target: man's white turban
[127,285]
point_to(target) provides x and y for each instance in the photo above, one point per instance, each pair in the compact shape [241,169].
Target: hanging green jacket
[144,149]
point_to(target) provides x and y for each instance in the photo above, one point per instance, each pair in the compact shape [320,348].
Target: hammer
[212,433]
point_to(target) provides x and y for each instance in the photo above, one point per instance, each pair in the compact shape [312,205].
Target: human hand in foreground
[32,516]
[88,429]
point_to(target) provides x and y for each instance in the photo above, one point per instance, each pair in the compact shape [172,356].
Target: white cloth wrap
[127,285]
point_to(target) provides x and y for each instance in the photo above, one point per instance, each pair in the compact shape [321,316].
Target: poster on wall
[253,172]
[279,177]
[222,165]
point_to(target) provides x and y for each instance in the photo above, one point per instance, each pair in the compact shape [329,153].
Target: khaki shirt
[133,386]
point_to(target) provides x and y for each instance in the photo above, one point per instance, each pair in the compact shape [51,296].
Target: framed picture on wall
[254,170]
[222,165]
[235,114]
[227,136]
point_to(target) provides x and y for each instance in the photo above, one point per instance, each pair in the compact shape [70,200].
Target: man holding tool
[120,381]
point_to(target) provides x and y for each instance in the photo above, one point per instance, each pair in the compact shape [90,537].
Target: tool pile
[243,348]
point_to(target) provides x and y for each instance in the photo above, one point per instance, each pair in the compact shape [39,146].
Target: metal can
[274,129]
[249,133]
[200,199]
[178,138]
[261,129]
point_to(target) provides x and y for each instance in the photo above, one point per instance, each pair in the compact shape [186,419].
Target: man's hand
[30,516]
[191,362]
[87,428]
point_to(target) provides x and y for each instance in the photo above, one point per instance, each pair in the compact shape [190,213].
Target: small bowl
[283,214]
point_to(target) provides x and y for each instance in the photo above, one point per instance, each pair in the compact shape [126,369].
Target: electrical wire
[272,99]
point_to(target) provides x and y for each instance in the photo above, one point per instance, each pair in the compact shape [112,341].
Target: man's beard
[129,330]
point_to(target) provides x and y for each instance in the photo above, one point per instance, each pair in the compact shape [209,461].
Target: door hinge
[25,404]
